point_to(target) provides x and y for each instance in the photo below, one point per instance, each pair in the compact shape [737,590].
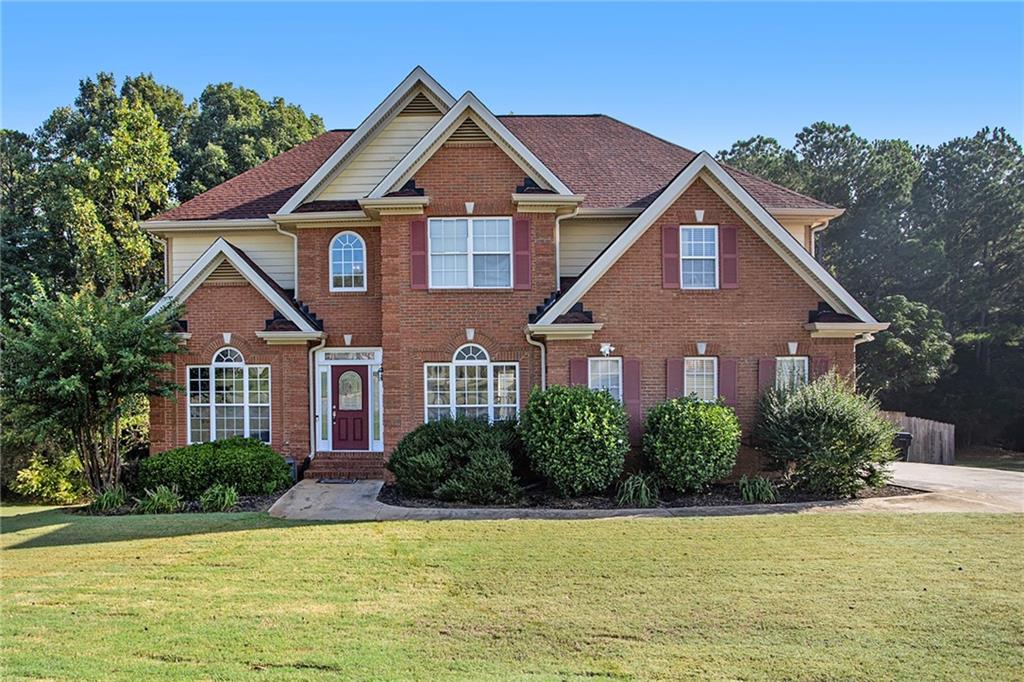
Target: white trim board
[384,111]
[218,252]
[763,223]
[468,106]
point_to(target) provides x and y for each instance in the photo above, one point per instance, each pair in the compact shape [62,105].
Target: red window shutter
[673,378]
[579,374]
[728,258]
[728,373]
[521,253]
[418,253]
[670,257]
[631,398]
[765,373]
[820,366]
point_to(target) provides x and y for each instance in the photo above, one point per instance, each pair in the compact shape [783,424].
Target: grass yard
[219,596]
[990,458]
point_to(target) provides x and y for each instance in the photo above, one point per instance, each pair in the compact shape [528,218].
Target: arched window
[348,262]
[228,398]
[472,386]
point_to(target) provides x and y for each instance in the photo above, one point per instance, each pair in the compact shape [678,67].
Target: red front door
[350,407]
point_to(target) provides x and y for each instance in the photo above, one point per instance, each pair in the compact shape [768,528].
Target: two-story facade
[441,260]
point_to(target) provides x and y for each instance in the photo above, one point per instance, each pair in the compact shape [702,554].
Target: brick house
[441,260]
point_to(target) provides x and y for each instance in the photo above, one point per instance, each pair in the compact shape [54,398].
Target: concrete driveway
[943,489]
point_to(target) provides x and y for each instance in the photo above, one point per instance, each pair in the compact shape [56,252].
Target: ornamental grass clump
[828,438]
[691,443]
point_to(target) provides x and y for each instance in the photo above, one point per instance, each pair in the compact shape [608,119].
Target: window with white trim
[348,262]
[470,253]
[605,374]
[791,372]
[700,378]
[228,398]
[471,386]
[698,250]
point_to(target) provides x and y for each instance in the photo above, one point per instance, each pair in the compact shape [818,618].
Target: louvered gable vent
[420,106]
[225,273]
[469,131]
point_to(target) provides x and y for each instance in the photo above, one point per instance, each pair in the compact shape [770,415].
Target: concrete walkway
[944,489]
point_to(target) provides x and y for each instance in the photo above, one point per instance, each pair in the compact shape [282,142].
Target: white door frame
[324,359]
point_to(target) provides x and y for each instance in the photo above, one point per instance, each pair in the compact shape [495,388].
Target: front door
[350,408]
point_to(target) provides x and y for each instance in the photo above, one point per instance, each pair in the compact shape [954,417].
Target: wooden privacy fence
[933,441]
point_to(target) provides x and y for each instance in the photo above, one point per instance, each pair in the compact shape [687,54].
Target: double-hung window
[791,372]
[470,253]
[698,248]
[605,374]
[471,386]
[228,398]
[700,378]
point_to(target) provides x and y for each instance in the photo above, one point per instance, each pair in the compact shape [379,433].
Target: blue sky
[702,75]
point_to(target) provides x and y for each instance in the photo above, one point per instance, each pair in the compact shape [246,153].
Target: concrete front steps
[360,465]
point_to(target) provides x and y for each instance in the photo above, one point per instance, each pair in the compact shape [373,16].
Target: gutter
[543,358]
[295,259]
[558,245]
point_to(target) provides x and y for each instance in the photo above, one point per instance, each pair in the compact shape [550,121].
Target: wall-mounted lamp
[699,214]
[702,347]
[792,345]
[607,349]
[469,207]
[470,333]
[348,339]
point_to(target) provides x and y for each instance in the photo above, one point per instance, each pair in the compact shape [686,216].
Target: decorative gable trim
[218,253]
[390,107]
[759,219]
[468,107]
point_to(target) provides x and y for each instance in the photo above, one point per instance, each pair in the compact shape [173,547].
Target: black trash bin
[902,443]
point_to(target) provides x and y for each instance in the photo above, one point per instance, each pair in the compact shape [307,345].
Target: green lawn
[219,596]
[990,458]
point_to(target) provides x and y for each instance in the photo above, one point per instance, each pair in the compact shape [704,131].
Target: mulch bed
[718,495]
[246,503]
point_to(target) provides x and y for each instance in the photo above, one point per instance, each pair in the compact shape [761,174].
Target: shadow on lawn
[56,527]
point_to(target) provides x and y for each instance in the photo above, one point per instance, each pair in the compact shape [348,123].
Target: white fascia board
[423,149]
[843,330]
[288,338]
[829,213]
[418,75]
[782,243]
[299,219]
[204,265]
[160,226]
[556,332]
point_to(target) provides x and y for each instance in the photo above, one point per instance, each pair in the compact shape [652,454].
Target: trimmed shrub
[161,500]
[218,498]
[757,490]
[638,491]
[60,482]
[248,464]
[108,500]
[830,439]
[691,443]
[576,438]
[486,478]
[429,454]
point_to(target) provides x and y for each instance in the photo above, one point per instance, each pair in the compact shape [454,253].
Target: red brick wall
[212,310]
[643,320]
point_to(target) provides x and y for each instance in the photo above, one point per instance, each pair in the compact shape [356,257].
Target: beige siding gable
[270,250]
[581,240]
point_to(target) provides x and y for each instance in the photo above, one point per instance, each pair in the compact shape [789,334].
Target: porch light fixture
[348,339]
[469,207]
[470,333]
[702,347]
[607,349]
[699,214]
[792,347]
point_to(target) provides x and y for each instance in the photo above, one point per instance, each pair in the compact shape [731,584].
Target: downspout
[312,396]
[558,245]
[295,258]
[543,358]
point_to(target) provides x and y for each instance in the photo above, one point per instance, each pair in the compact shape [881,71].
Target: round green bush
[691,443]
[486,478]
[576,438]
[247,464]
[830,439]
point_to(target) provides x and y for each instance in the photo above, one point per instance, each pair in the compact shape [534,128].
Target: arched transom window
[472,386]
[228,398]
[348,262]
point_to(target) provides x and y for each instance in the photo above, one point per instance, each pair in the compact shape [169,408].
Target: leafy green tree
[765,157]
[76,367]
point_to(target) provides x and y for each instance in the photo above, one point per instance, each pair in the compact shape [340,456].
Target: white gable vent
[469,131]
[225,273]
[420,106]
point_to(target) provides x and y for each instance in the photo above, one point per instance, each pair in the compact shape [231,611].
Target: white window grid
[791,371]
[471,385]
[480,242]
[700,377]
[228,398]
[347,260]
[605,374]
[698,245]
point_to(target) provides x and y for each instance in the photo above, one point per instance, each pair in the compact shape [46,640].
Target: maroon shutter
[728,259]
[418,253]
[673,378]
[521,252]
[728,372]
[820,366]
[631,398]
[578,372]
[765,373]
[670,257]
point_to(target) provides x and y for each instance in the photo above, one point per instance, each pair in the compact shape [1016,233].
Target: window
[699,253]
[348,262]
[790,372]
[228,398]
[700,378]
[472,386]
[470,253]
[605,374]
